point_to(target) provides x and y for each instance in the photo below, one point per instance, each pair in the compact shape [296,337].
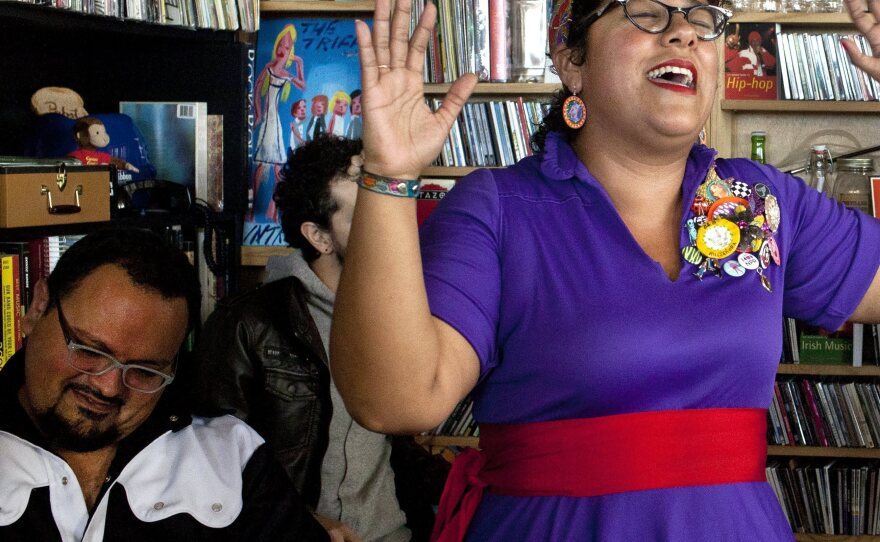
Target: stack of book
[815,67]
[473,36]
[853,344]
[22,264]
[460,423]
[491,133]
[209,14]
[836,497]
[824,412]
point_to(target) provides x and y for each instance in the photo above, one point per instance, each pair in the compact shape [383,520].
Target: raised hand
[867,23]
[401,134]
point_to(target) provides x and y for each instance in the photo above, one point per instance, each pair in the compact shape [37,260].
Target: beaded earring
[574,112]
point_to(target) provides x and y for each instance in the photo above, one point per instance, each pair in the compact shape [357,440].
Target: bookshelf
[107,60]
[792,125]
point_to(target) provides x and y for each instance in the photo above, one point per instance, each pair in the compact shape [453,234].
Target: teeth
[659,72]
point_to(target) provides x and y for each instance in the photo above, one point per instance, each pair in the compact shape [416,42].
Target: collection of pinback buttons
[732,217]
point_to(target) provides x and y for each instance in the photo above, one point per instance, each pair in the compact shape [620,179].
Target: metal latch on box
[61,181]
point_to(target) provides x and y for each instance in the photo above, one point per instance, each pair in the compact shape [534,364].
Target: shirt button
[216,507]
[64,480]
[159,505]
[173,418]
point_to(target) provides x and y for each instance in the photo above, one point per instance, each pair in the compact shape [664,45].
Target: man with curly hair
[263,355]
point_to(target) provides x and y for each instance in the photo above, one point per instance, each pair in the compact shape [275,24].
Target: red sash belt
[599,456]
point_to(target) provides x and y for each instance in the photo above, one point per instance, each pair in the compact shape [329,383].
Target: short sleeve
[459,243]
[833,253]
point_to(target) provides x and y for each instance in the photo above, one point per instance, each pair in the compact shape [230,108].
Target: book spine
[784,409]
[816,417]
[7,306]
[776,434]
[17,309]
[483,46]
[499,49]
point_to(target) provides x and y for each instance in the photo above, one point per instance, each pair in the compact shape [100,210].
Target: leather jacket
[260,357]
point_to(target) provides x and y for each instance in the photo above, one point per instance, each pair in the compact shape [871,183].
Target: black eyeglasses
[655,17]
[92,361]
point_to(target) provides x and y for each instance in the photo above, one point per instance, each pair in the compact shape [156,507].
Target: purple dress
[571,319]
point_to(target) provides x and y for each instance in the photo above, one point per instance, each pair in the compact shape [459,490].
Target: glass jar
[853,184]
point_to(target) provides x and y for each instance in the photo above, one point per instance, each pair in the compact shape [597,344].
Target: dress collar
[559,162]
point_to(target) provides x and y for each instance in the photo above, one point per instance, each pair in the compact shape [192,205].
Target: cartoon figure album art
[306,81]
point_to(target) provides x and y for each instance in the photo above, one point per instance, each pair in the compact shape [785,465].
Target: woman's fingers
[418,44]
[399,41]
[369,74]
[381,29]
[455,99]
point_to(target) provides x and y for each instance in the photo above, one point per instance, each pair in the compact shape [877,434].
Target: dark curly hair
[577,42]
[303,193]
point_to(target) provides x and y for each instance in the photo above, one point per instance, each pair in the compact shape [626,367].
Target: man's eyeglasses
[654,17]
[92,361]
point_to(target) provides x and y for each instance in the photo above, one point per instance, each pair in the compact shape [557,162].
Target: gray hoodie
[357,483]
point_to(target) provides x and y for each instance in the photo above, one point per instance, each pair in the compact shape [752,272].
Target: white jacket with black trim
[175,478]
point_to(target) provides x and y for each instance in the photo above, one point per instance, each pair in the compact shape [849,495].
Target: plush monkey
[91,135]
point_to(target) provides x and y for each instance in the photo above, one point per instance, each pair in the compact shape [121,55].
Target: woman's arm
[298,80]
[258,95]
[398,368]
[868,311]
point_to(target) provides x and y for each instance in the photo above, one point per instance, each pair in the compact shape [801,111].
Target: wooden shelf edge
[316,6]
[827,370]
[506,89]
[792,18]
[67,19]
[443,440]
[804,537]
[802,106]
[258,256]
[443,171]
[820,451]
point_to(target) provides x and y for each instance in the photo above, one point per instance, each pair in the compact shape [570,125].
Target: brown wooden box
[48,195]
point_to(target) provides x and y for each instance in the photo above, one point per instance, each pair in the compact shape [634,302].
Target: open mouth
[675,75]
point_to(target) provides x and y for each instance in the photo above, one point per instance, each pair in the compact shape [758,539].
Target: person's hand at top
[401,134]
[867,23]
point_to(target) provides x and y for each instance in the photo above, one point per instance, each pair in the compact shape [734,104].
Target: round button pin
[748,260]
[726,207]
[734,269]
[718,239]
[761,190]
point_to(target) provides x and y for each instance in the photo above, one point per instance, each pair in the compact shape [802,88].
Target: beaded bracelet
[404,188]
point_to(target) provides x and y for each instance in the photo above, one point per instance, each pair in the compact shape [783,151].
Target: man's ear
[37,310]
[317,236]
[568,71]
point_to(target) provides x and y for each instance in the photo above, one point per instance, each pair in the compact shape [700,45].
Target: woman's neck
[637,177]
